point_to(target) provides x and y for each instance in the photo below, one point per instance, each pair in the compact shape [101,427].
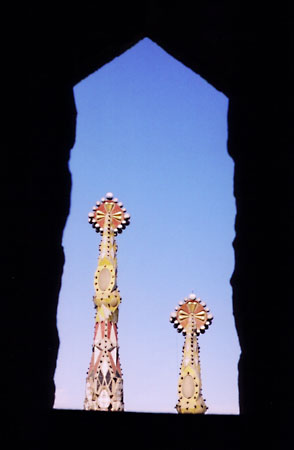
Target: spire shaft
[191,318]
[104,383]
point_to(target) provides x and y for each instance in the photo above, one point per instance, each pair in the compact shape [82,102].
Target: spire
[104,384]
[191,318]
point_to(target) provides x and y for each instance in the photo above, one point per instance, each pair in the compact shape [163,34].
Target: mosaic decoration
[104,384]
[191,318]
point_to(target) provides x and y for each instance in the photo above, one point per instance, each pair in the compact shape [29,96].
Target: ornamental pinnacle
[191,318]
[104,383]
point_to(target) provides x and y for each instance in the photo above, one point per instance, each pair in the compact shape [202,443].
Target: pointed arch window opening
[178,219]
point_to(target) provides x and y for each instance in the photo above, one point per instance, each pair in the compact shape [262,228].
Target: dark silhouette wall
[235,49]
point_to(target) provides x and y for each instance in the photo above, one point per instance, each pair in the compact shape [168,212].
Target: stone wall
[233,49]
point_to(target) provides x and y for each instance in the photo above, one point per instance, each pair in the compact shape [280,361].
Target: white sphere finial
[192,296]
[109,196]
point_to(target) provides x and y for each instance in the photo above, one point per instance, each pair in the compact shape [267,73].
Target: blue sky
[154,133]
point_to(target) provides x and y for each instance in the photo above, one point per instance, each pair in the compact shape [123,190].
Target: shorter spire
[191,318]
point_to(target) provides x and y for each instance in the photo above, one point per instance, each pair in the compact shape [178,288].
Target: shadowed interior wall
[232,50]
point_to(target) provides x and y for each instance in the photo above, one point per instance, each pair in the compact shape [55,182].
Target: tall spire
[191,318]
[104,384]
